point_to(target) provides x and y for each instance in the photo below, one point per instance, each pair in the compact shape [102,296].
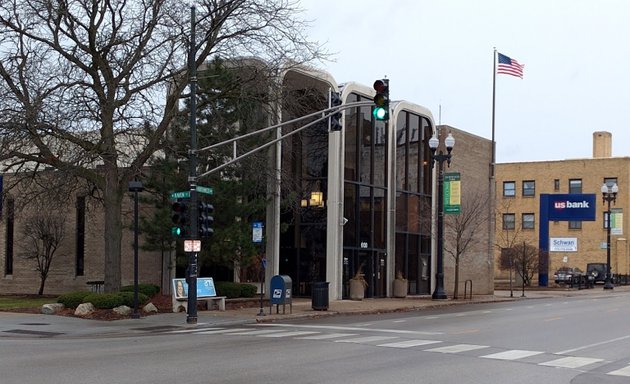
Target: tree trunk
[456,288]
[41,286]
[112,231]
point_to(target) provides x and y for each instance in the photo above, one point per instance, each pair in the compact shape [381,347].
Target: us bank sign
[560,207]
[563,207]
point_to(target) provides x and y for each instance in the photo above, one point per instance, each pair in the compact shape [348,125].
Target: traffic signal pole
[191,315]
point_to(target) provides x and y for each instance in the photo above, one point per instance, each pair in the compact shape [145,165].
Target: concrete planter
[357,289]
[400,288]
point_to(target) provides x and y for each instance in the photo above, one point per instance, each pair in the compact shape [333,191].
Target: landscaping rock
[84,309]
[52,309]
[123,310]
[150,308]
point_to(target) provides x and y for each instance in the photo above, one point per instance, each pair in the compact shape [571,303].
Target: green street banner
[616,221]
[452,193]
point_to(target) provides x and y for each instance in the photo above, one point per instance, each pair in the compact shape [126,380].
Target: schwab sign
[562,207]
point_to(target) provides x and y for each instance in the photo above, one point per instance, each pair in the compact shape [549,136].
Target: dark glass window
[509,189]
[529,188]
[575,186]
[509,221]
[556,184]
[528,221]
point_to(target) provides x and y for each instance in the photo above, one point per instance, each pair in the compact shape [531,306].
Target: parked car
[565,274]
[598,272]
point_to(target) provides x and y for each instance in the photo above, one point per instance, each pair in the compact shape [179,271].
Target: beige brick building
[519,186]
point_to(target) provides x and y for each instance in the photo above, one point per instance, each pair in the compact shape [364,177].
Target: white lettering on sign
[571,204]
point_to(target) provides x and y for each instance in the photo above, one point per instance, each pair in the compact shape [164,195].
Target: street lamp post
[609,194]
[440,157]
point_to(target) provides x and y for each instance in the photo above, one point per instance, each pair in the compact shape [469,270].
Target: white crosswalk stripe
[621,372]
[571,362]
[367,339]
[409,343]
[257,333]
[289,334]
[219,331]
[513,354]
[327,336]
[457,348]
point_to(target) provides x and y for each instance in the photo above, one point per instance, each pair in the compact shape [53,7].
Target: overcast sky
[440,53]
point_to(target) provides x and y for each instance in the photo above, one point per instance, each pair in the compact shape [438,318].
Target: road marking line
[289,334]
[367,339]
[221,331]
[256,333]
[513,354]
[571,362]
[409,343]
[592,345]
[325,336]
[193,330]
[553,319]
[338,328]
[621,372]
[457,348]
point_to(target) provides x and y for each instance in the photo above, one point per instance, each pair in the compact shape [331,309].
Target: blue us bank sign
[565,207]
[560,207]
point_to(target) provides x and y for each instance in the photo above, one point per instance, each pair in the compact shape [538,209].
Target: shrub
[146,289]
[127,298]
[234,290]
[248,290]
[104,300]
[228,289]
[73,299]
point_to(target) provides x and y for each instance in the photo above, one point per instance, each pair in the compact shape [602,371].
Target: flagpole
[494,89]
[491,179]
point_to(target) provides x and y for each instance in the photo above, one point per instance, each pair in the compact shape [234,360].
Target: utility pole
[191,317]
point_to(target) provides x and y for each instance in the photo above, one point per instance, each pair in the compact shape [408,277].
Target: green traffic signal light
[379,113]
[176,231]
[381,100]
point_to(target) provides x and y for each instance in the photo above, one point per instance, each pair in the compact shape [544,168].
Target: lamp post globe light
[609,194]
[440,157]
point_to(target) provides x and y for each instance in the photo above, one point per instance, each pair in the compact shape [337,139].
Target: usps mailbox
[280,293]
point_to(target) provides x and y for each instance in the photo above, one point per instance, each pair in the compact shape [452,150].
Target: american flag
[509,66]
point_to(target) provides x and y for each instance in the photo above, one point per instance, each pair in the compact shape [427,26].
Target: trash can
[320,296]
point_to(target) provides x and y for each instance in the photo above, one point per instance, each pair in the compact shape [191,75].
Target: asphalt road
[559,340]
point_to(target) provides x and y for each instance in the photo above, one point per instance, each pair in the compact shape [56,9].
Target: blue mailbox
[280,293]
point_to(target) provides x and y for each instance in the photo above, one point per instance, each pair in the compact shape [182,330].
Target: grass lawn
[24,302]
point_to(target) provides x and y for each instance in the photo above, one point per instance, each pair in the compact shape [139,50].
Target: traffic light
[205,219]
[381,100]
[181,219]
[335,117]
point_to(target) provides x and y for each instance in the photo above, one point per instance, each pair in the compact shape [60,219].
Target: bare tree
[525,258]
[43,234]
[90,87]
[508,237]
[462,230]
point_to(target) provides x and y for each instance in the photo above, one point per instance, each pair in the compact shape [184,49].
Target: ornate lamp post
[440,157]
[609,194]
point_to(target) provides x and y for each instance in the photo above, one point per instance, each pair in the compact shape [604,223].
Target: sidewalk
[37,325]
